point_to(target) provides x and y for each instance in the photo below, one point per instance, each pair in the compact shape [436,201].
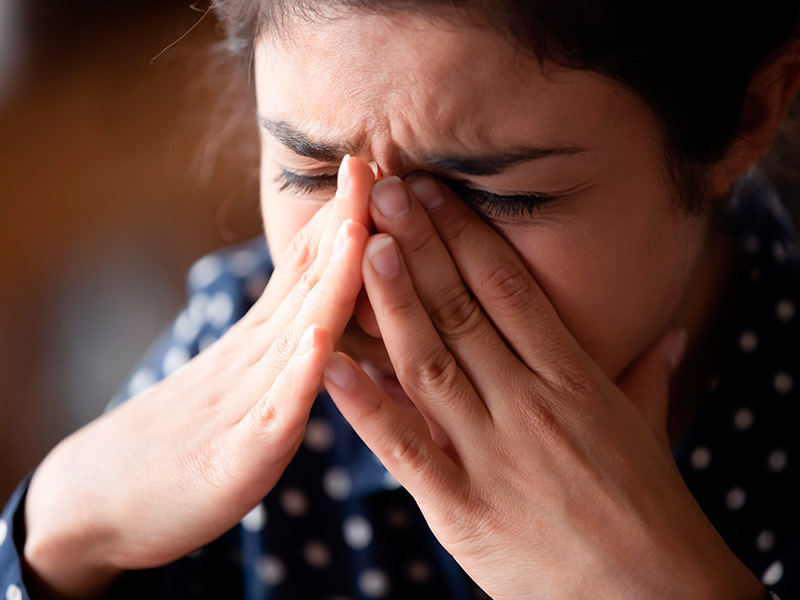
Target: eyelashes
[487,203]
[304,184]
[497,205]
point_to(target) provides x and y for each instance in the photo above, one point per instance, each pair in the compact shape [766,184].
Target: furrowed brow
[493,164]
[490,164]
[299,143]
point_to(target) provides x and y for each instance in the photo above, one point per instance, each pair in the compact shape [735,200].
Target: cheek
[283,217]
[616,282]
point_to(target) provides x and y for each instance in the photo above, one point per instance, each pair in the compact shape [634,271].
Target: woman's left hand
[536,472]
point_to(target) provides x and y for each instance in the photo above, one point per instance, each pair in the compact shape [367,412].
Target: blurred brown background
[116,175]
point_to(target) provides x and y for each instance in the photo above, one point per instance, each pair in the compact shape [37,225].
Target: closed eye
[487,203]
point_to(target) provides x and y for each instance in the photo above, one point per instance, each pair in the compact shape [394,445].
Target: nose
[364,314]
[376,169]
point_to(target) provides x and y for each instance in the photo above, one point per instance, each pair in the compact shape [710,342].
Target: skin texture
[541,343]
[499,325]
[614,255]
[184,461]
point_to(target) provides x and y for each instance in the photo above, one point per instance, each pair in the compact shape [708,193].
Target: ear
[769,97]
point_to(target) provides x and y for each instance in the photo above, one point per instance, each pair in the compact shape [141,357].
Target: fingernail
[427,190]
[343,179]
[307,341]
[676,347]
[384,257]
[341,237]
[376,170]
[390,198]
[339,372]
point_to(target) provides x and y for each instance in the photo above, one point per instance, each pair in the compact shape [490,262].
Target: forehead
[400,82]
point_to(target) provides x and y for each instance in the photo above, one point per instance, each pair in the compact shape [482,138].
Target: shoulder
[223,285]
[220,288]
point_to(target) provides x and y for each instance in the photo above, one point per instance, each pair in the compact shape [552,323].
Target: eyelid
[301,183]
[491,204]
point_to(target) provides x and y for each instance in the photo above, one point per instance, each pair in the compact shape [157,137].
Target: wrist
[60,562]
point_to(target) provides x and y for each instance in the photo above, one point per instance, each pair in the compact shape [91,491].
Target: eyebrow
[490,164]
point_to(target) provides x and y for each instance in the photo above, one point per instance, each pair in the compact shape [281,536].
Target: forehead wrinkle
[395,98]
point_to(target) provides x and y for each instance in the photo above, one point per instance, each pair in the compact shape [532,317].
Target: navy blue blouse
[338,526]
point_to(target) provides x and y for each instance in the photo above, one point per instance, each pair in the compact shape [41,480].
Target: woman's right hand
[180,464]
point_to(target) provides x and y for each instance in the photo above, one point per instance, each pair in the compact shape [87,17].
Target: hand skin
[536,472]
[180,464]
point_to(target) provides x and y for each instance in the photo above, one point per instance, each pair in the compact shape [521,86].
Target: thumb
[646,381]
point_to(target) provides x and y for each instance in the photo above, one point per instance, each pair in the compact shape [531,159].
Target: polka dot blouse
[338,526]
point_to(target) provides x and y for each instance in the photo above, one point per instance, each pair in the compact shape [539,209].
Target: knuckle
[282,347]
[408,449]
[507,287]
[266,421]
[299,254]
[212,467]
[439,372]
[457,226]
[541,419]
[310,278]
[263,414]
[420,242]
[457,314]
[578,385]
[401,304]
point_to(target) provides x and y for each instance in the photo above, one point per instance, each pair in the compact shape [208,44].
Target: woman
[531,198]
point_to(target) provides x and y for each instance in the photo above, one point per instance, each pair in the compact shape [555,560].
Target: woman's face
[610,247]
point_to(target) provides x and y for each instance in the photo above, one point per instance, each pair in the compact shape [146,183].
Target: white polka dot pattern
[219,309]
[357,532]
[254,287]
[255,519]
[765,540]
[785,310]
[174,359]
[317,555]
[294,502]
[748,342]
[205,341]
[319,435]
[735,498]
[13,592]
[374,583]
[776,461]
[337,483]
[390,482]
[185,329]
[205,271]
[773,573]
[398,518]
[3,531]
[243,263]
[419,572]
[743,403]
[140,381]
[743,419]
[700,458]
[197,307]
[270,570]
[783,383]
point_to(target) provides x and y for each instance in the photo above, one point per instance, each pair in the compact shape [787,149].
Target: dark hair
[690,60]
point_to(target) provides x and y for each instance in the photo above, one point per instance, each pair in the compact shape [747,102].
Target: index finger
[311,248]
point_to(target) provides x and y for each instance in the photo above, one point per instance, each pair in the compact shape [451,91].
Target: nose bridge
[389,140]
[392,161]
